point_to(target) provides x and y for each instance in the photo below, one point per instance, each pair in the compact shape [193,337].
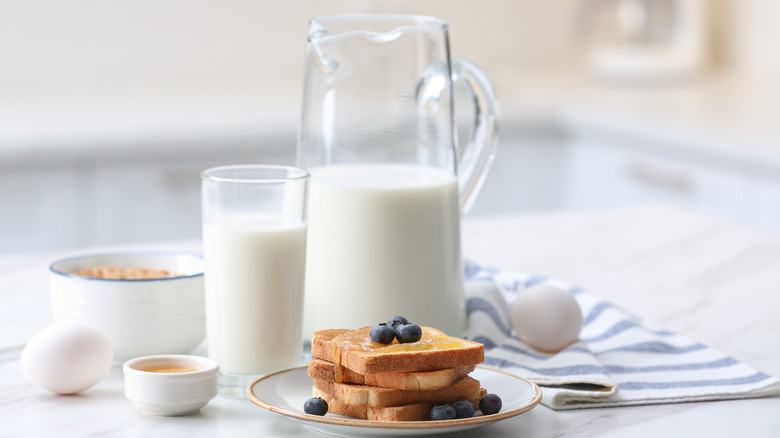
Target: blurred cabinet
[146,202]
[527,175]
[606,174]
[605,171]
[767,199]
[39,207]
[106,203]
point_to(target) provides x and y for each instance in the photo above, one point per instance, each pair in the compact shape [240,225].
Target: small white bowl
[170,393]
[139,317]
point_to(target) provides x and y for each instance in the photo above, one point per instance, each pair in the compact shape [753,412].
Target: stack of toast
[393,382]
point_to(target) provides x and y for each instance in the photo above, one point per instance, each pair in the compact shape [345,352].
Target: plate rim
[360,422]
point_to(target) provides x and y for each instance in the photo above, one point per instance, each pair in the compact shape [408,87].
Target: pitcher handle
[477,157]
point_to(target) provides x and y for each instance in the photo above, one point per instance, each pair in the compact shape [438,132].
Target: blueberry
[315,406]
[490,404]
[395,321]
[382,333]
[463,409]
[408,332]
[442,412]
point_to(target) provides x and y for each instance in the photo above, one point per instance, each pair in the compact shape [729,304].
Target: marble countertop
[712,281]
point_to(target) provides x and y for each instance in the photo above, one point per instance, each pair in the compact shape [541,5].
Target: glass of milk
[254,247]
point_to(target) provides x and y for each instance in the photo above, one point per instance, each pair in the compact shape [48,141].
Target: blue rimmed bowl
[140,317]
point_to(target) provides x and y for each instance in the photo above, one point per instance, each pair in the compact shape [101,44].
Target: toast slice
[466,388]
[354,350]
[410,412]
[418,380]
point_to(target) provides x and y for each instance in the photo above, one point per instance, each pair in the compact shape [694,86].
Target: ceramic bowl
[170,384]
[139,317]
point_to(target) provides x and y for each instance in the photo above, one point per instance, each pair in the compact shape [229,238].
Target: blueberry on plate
[463,409]
[409,332]
[395,321]
[442,412]
[315,406]
[490,404]
[382,334]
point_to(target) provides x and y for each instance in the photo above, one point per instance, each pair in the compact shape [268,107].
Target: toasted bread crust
[466,388]
[371,362]
[410,412]
[419,380]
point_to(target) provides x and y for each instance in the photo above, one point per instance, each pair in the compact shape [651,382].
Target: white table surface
[712,281]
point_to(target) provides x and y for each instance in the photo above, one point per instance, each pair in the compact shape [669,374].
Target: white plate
[285,392]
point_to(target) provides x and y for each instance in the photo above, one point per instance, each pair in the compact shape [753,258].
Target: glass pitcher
[388,182]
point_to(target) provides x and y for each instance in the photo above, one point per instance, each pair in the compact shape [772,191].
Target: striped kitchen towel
[619,360]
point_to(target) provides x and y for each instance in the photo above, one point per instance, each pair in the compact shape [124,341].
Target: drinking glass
[254,248]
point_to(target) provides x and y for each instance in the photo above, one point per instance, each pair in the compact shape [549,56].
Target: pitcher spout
[376,27]
[328,31]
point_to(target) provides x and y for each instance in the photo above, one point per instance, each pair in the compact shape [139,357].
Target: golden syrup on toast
[360,340]
[339,373]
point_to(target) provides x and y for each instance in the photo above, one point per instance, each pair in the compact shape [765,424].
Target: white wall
[53,48]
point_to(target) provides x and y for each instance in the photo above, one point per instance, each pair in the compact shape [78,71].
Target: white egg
[67,358]
[547,318]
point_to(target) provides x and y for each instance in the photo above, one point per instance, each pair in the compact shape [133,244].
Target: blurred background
[109,109]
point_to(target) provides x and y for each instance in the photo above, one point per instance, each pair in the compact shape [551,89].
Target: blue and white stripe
[619,360]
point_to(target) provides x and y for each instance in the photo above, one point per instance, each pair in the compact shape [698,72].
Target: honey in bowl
[172,369]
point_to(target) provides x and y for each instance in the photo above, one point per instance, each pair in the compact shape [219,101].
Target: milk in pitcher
[391,236]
